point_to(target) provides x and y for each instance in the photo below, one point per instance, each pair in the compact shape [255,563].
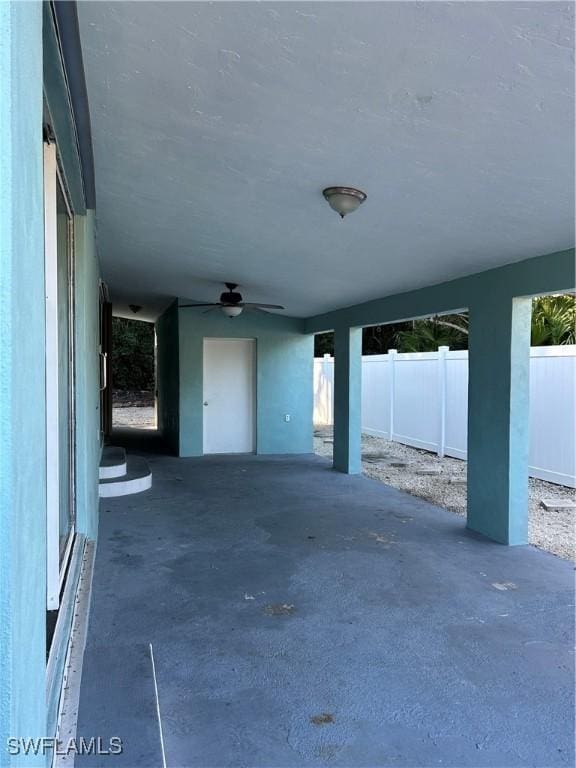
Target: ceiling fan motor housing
[230,297]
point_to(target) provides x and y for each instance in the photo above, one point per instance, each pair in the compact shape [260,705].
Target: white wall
[421,399]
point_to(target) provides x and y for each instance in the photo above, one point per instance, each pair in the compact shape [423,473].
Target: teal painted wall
[167,373]
[24,27]
[284,361]
[22,413]
[88,446]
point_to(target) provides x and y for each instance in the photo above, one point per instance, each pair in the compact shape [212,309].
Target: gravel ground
[399,466]
[139,417]
[132,398]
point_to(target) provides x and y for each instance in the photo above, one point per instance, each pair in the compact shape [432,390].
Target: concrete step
[112,463]
[138,478]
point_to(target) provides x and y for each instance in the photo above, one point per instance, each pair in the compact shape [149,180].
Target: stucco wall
[26,33]
[22,412]
[167,376]
[284,368]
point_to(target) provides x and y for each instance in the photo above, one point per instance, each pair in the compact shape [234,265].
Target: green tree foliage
[378,339]
[323,344]
[553,320]
[427,335]
[413,336]
[132,355]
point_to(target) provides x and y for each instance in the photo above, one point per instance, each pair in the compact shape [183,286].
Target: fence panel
[456,404]
[421,399]
[416,403]
[376,395]
[323,391]
[553,413]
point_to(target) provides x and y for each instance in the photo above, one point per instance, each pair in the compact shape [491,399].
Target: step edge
[125,487]
[112,471]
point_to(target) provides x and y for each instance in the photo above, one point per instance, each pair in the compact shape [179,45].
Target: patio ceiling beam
[544,274]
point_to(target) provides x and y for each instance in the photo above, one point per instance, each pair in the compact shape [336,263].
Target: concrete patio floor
[302,617]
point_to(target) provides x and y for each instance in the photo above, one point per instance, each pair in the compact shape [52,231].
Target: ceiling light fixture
[344,200]
[231,311]
[231,303]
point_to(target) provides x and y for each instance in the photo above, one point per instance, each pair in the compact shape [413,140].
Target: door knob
[205,402]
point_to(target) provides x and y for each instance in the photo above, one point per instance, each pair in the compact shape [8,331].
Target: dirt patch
[324,718]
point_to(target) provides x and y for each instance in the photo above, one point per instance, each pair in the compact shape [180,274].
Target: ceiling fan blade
[263,306]
[212,304]
[211,309]
[260,311]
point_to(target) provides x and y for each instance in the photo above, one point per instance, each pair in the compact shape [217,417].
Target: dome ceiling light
[344,200]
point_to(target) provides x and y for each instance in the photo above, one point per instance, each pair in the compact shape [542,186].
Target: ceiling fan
[231,303]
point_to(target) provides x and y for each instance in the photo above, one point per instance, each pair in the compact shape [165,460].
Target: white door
[229,395]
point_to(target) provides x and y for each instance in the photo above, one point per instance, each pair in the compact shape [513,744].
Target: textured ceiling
[217,125]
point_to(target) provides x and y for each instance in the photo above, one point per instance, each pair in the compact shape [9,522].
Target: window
[60,377]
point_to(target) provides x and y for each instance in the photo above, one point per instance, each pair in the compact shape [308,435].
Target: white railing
[421,399]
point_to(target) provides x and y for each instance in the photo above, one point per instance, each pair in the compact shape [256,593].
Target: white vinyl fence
[421,399]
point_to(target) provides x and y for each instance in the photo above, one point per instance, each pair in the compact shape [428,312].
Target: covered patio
[268,608]
[300,616]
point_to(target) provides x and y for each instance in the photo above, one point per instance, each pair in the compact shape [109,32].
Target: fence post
[392,358]
[442,399]
[330,405]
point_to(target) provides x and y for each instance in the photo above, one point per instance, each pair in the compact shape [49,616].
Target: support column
[498,418]
[347,400]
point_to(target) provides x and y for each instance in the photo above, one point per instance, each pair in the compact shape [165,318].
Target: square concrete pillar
[347,400]
[498,418]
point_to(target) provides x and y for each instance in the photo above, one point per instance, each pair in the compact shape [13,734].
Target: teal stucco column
[498,418]
[347,399]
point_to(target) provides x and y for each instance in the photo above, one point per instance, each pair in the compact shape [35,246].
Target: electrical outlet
[286,417]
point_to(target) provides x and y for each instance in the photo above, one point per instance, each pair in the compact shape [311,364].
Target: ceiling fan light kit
[231,303]
[344,200]
[231,311]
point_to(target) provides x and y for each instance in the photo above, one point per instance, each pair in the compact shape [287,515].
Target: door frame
[254,342]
